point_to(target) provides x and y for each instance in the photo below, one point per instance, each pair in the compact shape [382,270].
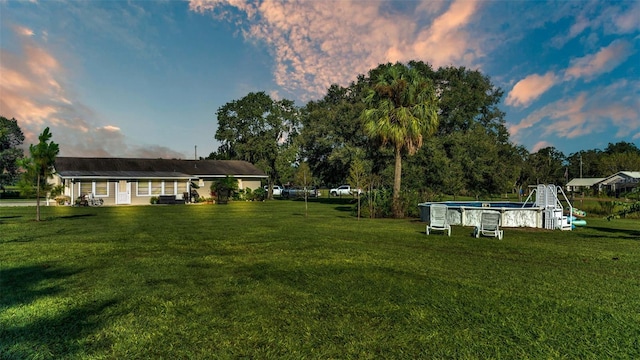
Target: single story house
[581,184]
[133,181]
[620,182]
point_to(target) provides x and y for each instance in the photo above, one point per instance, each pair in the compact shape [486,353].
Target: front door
[123,192]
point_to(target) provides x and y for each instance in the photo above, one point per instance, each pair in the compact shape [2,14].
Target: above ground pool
[467,213]
[487,204]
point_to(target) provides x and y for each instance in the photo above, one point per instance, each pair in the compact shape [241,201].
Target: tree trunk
[358,194]
[38,199]
[397,180]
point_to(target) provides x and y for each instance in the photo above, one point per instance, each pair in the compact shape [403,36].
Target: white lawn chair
[489,225]
[438,219]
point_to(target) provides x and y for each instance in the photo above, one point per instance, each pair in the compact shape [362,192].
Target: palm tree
[401,111]
[43,157]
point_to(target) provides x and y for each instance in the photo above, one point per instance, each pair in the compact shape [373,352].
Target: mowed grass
[261,280]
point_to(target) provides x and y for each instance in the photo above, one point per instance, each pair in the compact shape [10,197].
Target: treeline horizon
[466,151]
[470,152]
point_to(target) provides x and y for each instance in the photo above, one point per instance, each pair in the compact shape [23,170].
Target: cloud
[605,60]
[319,43]
[30,86]
[24,31]
[540,145]
[109,141]
[586,114]
[35,91]
[626,21]
[447,34]
[596,17]
[530,88]
[557,110]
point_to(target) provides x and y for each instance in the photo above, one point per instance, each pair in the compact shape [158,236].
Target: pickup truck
[277,190]
[344,190]
[296,192]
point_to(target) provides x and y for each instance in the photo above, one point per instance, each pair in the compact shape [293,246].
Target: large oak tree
[11,137]
[256,129]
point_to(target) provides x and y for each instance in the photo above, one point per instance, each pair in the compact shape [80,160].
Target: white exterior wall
[75,189]
[79,187]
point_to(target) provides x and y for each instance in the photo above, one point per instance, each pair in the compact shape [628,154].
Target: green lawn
[261,280]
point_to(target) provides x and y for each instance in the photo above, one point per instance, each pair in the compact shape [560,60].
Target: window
[182,187]
[170,187]
[159,187]
[101,188]
[143,188]
[156,187]
[85,187]
[97,188]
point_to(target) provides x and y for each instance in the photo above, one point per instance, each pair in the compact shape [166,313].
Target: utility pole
[580,165]
[196,152]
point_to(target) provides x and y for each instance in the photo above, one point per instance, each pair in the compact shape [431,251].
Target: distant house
[582,184]
[621,181]
[130,181]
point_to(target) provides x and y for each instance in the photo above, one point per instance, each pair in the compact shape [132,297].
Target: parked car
[344,190]
[297,192]
[277,190]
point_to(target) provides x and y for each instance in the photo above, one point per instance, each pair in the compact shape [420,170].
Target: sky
[145,78]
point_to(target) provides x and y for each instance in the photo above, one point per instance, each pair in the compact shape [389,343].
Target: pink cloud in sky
[447,34]
[319,43]
[34,89]
[605,60]
[30,87]
[24,31]
[110,128]
[619,19]
[540,145]
[569,119]
[530,88]
[587,113]
[547,119]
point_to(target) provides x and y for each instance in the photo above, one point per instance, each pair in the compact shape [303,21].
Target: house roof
[622,177]
[584,181]
[70,167]
[631,174]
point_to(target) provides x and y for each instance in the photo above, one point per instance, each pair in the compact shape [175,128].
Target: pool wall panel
[513,216]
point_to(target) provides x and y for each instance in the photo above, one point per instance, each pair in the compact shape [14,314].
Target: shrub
[62,199]
[153,200]
[10,194]
[376,203]
[606,207]
[224,189]
[57,190]
[259,194]
[634,194]
[409,201]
